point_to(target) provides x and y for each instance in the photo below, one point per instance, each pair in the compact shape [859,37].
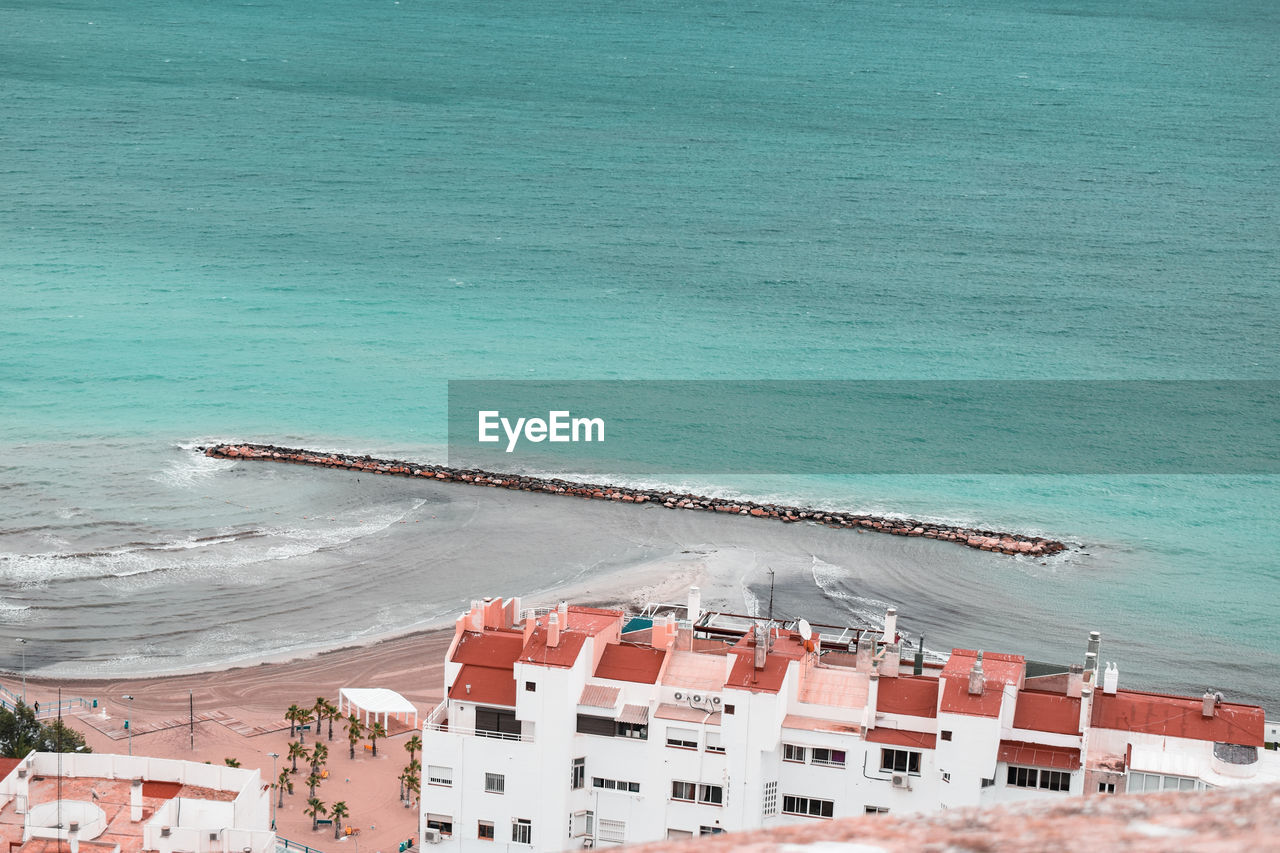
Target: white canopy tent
[375,701]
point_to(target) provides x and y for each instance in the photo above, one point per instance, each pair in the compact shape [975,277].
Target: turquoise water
[297,222]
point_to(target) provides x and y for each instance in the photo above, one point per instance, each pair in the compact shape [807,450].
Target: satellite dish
[806,632]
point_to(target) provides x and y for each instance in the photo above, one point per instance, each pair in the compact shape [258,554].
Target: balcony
[438,721]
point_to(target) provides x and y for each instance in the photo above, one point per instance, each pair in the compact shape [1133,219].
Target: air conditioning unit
[902,780]
[679,695]
[697,697]
[588,843]
[213,836]
[431,836]
[715,700]
[165,831]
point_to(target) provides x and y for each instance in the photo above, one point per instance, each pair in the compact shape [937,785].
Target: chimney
[1075,681]
[73,836]
[553,629]
[762,646]
[135,801]
[873,698]
[891,661]
[891,625]
[1091,664]
[866,651]
[475,618]
[977,680]
[1110,679]
[1207,707]
[564,614]
[529,625]
[695,603]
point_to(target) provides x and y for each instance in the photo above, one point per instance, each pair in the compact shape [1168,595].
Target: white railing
[438,721]
[439,716]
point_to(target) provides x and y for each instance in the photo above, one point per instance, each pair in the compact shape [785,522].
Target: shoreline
[1001,542]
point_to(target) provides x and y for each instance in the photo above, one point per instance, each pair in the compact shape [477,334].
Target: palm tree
[331,711]
[231,762]
[318,757]
[355,729]
[292,716]
[376,731]
[284,783]
[338,812]
[304,717]
[414,783]
[312,781]
[314,809]
[403,777]
[319,709]
[412,745]
[296,751]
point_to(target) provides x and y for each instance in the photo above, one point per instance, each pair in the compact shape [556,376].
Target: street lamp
[23,643]
[274,800]
[128,727]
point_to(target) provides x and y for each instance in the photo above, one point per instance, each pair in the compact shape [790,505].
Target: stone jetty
[986,540]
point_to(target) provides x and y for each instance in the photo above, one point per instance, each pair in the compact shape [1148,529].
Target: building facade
[583,727]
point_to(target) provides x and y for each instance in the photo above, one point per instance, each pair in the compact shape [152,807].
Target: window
[634,730]
[615,785]
[713,742]
[946,777]
[710,830]
[769,803]
[876,809]
[711,794]
[578,773]
[530,686]
[495,783]
[604,726]
[678,834]
[1032,777]
[440,822]
[521,831]
[987,783]
[1139,782]
[807,806]
[613,830]
[900,761]
[683,791]
[828,757]
[1106,787]
[437,775]
[496,722]
[946,735]
[484,830]
[682,738]
[728,709]
[583,824]
[791,752]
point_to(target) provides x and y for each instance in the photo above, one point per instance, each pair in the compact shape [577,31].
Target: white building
[96,803]
[559,731]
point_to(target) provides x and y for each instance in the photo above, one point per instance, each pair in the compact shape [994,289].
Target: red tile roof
[563,654]
[7,765]
[915,697]
[489,648]
[787,645]
[745,676]
[160,790]
[489,686]
[1047,712]
[902,737]
[624,662]
[1038,755]
[593,620]
[998,671]
[1178,716]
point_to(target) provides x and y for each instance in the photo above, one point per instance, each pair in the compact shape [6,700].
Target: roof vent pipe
[977,679]
[891,625]
[1091,669]
[1095,649]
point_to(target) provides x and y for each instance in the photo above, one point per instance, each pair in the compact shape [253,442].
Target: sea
[295,223]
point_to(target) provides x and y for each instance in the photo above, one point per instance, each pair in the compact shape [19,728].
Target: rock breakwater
[986,540]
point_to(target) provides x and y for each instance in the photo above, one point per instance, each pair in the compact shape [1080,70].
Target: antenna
[806,631]
[771,595]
